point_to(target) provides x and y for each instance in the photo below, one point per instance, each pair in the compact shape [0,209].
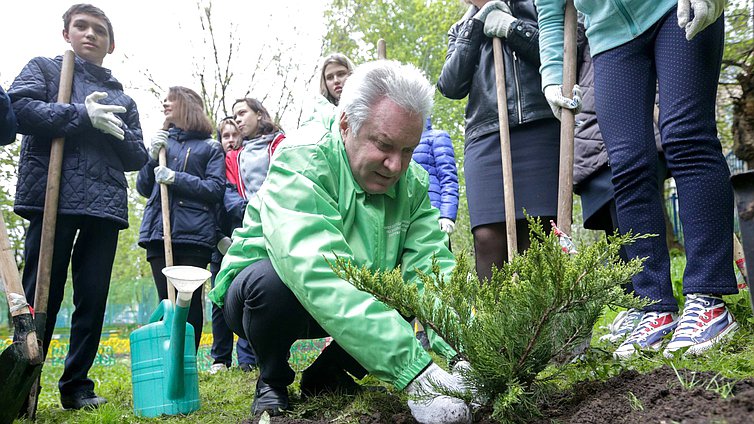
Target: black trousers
[89,245]
[262,309]
[222,336]
[195,315]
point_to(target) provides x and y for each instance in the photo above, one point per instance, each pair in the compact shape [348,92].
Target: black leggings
[195,315]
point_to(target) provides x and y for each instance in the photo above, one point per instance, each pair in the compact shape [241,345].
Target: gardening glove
[429,406]
[159,140]
[706,13]
[488,7]
[554,96]
[498,24]
[223,245]
[164,175]
[460,371]
[447,225]
[103,116]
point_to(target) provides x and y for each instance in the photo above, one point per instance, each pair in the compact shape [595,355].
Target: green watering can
[163,357]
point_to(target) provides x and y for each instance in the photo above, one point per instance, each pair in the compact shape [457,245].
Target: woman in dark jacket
[469,70]
[195,174]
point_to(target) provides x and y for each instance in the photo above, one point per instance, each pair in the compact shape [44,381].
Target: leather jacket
[469,69]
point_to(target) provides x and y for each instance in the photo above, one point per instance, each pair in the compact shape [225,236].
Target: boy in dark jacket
[102,141]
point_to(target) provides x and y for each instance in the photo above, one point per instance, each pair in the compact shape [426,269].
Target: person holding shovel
[102,141]
[676,47]
[195,175]
[355,194]
[469,70]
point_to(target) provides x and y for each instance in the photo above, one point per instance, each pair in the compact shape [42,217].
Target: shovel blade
[17,374]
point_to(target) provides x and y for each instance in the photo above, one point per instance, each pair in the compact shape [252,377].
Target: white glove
[488,7]
[164,175]
[159,140]
[447,225]
[706,13]
[554,96]
[498,23]
[460,371]
[428,406]
[223,245]
[103,116]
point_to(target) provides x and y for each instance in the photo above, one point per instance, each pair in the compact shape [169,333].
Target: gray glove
[498,24]
[489,7]
[103,116]
[429,406]
[554,95]
[164,175]
[159,140]
[706,13]
[447,225]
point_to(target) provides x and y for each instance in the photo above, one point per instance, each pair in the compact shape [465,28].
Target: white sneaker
[623,324]
[428,406]
[216,368]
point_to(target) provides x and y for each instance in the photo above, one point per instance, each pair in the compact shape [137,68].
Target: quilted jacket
[92,181]
[435,154]
[195,194]
[8,125]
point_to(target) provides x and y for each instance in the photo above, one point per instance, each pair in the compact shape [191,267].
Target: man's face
[247,119]
[382,150]
[89,37]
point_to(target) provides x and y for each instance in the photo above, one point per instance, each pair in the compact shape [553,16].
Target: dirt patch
[656,397]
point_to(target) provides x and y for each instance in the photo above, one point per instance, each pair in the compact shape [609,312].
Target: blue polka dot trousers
[686,75]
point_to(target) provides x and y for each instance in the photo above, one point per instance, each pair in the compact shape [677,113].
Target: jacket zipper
[631,24]
[518,89]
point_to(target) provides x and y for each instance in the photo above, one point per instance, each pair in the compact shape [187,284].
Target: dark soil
[656,397]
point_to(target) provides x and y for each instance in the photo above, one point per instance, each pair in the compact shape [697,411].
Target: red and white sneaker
[705,321]
[649,334]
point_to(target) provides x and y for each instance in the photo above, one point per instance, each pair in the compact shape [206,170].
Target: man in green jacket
[353,193]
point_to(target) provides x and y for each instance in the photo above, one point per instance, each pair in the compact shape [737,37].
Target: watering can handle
[164,309]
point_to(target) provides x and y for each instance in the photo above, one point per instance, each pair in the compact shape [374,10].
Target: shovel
[505,149]
[165,203]
[21,363]
[49,221]
[567,127]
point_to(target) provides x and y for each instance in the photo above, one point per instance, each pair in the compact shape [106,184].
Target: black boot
[274,400]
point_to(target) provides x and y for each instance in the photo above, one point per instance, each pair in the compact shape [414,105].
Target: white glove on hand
[103,116]
[159,140]
[447,225]
[498,23]
[428,406]
[554,96]
[223,245]
[706,13]
[460,370]
[488,7]
[164,175]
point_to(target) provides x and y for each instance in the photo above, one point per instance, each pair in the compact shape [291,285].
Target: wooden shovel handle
[381,49]
[567,122]
[168,239]
[505,149]
[52,195]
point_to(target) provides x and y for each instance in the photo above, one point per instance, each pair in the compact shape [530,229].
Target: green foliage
[541,305]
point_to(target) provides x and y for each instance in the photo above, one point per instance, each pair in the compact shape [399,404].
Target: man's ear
[343,122]
[112,48]
[65,36]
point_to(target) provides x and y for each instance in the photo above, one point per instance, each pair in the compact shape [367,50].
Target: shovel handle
[168,239]
[381,49]
[9,271]
[567,122]
[505,149]
[52,195]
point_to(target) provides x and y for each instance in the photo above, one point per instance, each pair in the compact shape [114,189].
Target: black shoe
[85,399]
[274,400]
[327,380]
[247,367]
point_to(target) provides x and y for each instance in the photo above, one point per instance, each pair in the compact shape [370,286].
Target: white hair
[371,82]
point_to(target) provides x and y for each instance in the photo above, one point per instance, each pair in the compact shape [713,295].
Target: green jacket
[609,23]
[310,209]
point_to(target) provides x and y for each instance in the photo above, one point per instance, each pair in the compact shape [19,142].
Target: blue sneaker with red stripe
[705,321]
[649,334]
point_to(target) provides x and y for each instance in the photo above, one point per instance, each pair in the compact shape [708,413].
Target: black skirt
[535,148]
